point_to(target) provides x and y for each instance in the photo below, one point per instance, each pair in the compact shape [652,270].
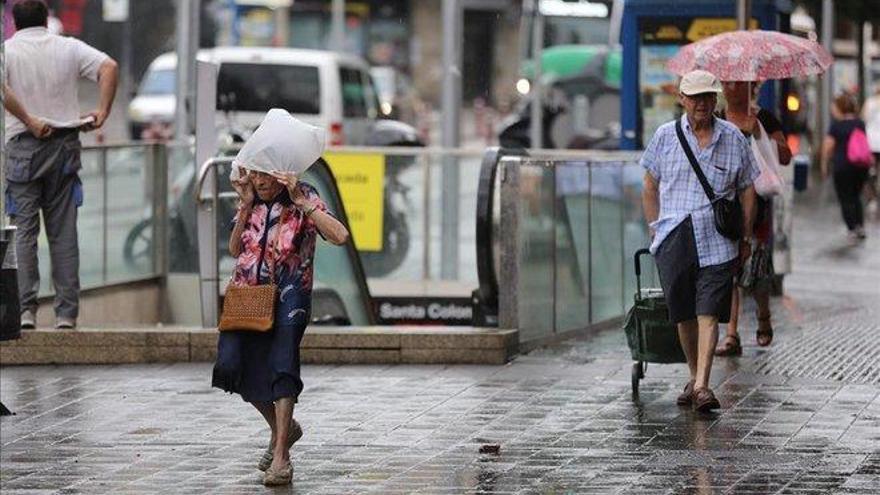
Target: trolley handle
[638,267]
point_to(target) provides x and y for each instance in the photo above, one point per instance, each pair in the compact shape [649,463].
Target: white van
[323,88]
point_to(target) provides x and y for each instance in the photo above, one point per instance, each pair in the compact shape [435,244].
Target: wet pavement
[802,416]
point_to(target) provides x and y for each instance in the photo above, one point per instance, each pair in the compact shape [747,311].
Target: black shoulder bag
[728,214]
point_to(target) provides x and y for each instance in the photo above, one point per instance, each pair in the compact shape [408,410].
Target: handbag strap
[269,244]
[693,160]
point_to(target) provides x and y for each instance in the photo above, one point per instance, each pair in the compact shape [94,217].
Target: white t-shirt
[872,122]
[43,70]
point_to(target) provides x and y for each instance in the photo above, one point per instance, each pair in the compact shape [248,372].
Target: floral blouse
[280,238]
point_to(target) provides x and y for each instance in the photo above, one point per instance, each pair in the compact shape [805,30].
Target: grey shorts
[690,290]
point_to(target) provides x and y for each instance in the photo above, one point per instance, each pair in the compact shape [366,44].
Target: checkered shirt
[729,166]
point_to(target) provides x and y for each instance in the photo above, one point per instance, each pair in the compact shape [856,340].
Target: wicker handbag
[250,308]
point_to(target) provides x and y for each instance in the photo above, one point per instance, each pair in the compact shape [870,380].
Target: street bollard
[801,172]
[10,311]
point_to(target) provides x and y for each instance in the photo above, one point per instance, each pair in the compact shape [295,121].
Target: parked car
[323,88]
[153,104]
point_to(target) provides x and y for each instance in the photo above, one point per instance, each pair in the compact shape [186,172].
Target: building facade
[404,34]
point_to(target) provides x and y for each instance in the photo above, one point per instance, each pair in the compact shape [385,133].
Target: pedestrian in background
[695,262]
[742,111]
[871,116]
[849,176]
[41,80]
[273,241]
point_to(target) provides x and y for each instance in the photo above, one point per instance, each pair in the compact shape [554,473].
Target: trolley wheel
[637,374]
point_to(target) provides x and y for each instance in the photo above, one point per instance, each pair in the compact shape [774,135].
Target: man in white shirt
[43,121]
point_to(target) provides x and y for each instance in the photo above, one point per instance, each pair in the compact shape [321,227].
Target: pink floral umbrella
[752,56]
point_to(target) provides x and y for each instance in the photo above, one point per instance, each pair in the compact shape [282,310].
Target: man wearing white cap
[696,262]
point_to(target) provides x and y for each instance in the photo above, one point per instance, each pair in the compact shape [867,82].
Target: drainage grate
[843,348]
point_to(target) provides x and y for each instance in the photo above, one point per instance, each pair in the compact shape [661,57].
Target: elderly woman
[743,112]
[274,237]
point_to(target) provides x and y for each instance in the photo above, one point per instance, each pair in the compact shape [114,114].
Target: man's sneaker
[64,323]
[28,320]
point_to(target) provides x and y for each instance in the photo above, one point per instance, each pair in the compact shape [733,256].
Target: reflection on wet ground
[561,426]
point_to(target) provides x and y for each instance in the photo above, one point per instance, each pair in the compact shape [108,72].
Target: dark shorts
[690,290]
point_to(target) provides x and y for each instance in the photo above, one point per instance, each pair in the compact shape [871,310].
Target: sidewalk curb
[321,345]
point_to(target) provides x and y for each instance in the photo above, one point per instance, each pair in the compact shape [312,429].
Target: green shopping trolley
[651,337]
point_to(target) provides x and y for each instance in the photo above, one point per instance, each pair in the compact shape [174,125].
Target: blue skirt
[263,367]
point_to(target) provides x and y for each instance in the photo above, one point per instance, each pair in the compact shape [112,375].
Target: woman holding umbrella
[754,122]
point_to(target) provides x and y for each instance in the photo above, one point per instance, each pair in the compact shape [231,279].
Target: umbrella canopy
[752,56]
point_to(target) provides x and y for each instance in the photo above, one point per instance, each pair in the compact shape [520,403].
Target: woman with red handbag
[273,241]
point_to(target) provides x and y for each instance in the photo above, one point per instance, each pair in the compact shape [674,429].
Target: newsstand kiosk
[652,32]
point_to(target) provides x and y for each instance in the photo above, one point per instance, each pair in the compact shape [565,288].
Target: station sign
[446,311]
[684,30]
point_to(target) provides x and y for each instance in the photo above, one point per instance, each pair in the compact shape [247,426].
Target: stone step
[321,345]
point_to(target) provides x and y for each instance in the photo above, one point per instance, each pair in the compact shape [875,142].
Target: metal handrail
[203,172]
[584,155]
[542,153]
[132,144]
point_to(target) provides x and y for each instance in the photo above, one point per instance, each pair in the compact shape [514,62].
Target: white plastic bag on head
[281,142]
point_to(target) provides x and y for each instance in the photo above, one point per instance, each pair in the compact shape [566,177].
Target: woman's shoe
[764,335]
[266,460]
[277,477]
[852,237]
[730,346]
[294,434]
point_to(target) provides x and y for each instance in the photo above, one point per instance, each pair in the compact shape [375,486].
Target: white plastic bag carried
[770,182]
[281,142]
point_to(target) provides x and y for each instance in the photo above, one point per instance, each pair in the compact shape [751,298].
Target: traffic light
[794,112]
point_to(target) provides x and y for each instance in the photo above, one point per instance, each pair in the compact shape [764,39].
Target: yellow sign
[705,27]
[668,33]
[361,181]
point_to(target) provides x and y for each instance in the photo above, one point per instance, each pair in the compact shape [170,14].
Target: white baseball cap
[699,81]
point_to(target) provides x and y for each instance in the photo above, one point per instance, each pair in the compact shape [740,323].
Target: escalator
[485,297]
[341,295]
